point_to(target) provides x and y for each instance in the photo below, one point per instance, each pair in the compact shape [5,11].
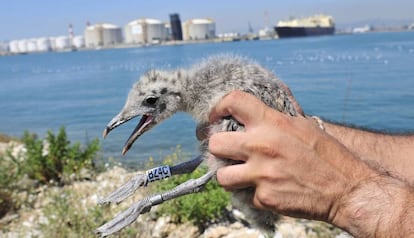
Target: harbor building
[102,35]
[199,29]
[176,27]
[145,31]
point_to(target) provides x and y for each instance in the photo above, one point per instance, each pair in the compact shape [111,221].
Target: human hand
[295,167]
[202,129]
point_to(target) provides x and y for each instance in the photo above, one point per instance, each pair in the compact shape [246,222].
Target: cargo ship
[311,26]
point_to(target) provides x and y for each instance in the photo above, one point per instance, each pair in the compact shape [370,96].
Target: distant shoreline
[189,42]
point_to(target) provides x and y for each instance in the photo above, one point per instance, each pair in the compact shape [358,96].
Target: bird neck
[196,97]
[187,93]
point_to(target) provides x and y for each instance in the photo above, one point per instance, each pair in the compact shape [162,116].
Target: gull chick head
[156,96]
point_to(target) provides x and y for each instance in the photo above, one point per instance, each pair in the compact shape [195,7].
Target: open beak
[144,124]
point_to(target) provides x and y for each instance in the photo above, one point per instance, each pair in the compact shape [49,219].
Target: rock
[185,230]
[8,218]
[290,230]
[160,227]
[234,230]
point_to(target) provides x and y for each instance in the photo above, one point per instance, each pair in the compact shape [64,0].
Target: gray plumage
[159,94]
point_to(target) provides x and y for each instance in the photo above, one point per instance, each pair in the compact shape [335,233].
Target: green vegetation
[9,175]
[56,160]
[53,161]
[200,208]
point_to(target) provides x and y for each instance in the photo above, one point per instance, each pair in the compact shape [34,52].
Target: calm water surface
[366,80]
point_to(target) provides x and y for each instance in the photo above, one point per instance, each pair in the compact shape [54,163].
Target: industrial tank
[93,36]
[199,29]
[79,41]
[112,34]
[62,43]
[14,46]
[102,35]
[22,45]
[145,31]
[31,45]
[43,44]
[4,48]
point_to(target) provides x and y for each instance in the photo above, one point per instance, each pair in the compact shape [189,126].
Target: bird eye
[151,100]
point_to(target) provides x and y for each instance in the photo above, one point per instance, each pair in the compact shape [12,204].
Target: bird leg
[128,216]
[151,175]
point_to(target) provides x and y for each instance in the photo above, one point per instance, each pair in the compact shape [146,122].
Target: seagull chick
[159,94]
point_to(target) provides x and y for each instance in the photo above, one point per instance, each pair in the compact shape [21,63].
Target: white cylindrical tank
[199,29]
[43,44]
[22,44]
[102,35]
[52,43]
[62,42]
[4,47]
[112,35]
[93,36]
[145,31]
[14,46]
[79,41]
[31,45]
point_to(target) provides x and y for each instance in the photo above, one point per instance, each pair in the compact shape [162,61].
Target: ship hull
[285,32]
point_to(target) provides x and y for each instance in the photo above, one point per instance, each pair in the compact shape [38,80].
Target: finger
[228,145]
[234,177]
[243,106]
[257,201]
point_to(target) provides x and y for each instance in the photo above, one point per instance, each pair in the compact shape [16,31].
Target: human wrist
[379,206]
[317,121]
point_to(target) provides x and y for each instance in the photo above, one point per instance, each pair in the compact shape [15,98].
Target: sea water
[366,80]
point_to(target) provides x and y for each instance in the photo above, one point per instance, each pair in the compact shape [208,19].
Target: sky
[29,18]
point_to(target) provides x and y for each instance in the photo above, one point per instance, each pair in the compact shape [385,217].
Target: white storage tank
[62,43]
[145,31]
[112,34]
[4,48]
[93,36]
[102,35]
[199,29]
[31,45]
[43,44]
[79,41]
[14,46]
[52,43]
[22,45]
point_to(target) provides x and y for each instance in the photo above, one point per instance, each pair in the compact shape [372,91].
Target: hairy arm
[380,206]
[299,170]
[392,153]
